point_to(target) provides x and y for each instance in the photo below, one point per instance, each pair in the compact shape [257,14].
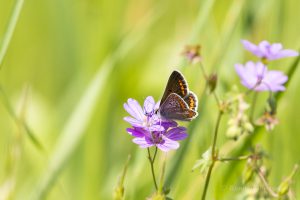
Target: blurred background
[70,65]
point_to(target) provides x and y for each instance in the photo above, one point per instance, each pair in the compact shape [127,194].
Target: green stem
[217,99]
[207,180]
[155,153]
[253,104]
[5,100]
[124,170]
[203,71]
[10,29]
[265,183]
[151,160]
[213,155]
[233,159]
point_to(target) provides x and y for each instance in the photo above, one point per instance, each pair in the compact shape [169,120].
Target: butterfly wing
[174,107]
[192,101]
[176,84]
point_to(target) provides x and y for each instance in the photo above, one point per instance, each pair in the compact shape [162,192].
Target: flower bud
[157,196]
[118,193]
[233,132]
[248,127]
[212,82]
[268,120]
[192,53]
[119,190]
[284,186]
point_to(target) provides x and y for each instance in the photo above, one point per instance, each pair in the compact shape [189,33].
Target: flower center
[157,137]
[259,79]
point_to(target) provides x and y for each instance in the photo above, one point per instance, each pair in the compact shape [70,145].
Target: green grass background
[71,64]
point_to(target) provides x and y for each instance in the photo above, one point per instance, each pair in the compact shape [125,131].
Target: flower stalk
[120,190]
[151,160]
[234,159]
[214,156]
[252,108]
[265,183]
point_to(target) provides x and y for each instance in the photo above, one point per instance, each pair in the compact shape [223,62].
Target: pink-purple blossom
[256,76]
[268,51]
[143,117]
[149,130]
[164,140]
[192,53]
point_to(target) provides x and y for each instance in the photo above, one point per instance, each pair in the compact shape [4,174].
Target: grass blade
[20,122]
[10,29]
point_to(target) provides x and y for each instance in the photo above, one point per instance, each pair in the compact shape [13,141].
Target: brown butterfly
[178,102]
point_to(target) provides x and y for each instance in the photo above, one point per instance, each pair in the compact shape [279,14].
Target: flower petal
[136,132]
[142,142]
[285,53]
[275,48]
[277,88]
[134,109]
[168,124]
[133,122]
[260,70]
[275,76]
[156,128]
[178,133]
[263,47]
[269,51]
[149,104]
[246,75]
[168,145]
[252,48]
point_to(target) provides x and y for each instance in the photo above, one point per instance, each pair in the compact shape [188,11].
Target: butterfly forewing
[174,107]
[176,84]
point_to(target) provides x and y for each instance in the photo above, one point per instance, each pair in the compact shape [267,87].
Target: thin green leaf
[19,122]
[10,29]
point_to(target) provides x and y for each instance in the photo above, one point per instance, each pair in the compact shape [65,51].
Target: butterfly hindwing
[192,101]
[176,84]
[174,107]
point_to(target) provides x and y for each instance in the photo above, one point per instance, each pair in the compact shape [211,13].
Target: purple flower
[143,117]
[255,76]
[268,51]
[192,53]
[164,140]
[148,129]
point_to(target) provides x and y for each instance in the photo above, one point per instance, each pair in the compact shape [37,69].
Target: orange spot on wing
[181,87]
[192,102]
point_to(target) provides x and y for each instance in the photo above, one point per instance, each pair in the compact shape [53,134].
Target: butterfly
[178,102]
